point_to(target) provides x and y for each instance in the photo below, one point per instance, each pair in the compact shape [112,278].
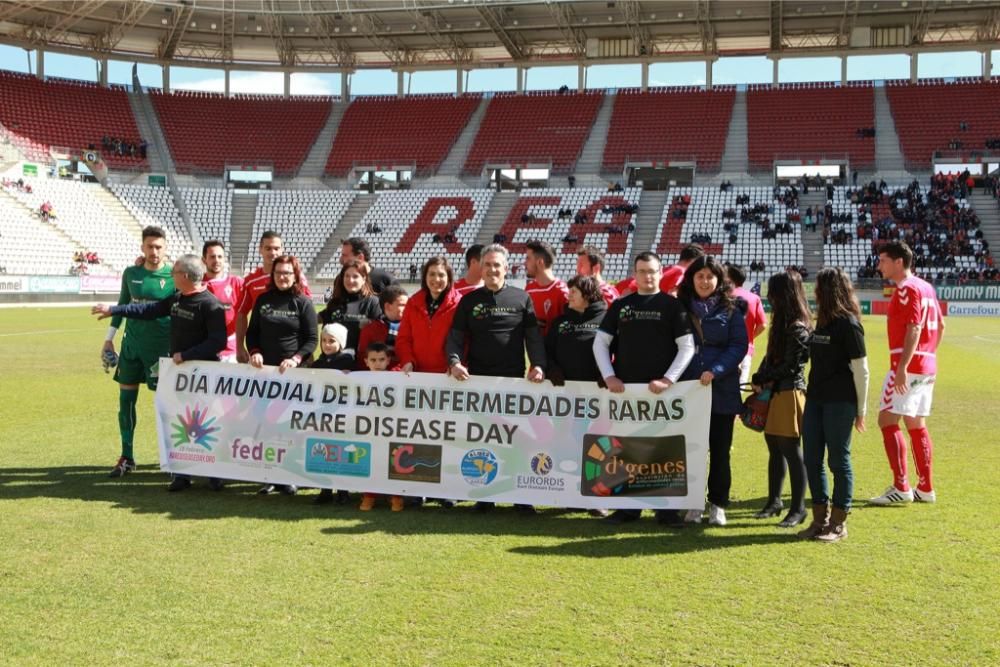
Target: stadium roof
[332,35]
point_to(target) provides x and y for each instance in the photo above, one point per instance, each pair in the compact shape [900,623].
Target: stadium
[777,135]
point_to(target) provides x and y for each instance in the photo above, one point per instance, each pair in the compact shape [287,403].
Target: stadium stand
[207,131]
[387,131]
[924,128]
[155,206]
[809,121]
[535,215]
[304,218]
[410,220]
[76,209]
[534,128]
[669,124]
[937,222]
[31,246]
[77,115]
[694,214]
[211,212]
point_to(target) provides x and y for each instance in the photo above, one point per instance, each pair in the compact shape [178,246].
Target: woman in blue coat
[721,337]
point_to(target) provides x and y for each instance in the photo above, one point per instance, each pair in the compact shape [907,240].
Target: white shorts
[914,403]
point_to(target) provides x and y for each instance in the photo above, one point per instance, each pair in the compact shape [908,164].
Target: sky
[737,70]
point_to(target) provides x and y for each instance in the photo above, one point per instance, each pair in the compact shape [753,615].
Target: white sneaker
[693,516]
[924,496]
[716,515]
[893,496]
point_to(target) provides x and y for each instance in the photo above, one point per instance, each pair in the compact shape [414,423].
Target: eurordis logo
[411,462]
[542,479]
[479,467]
[634,466]
[338,457]
[193,436]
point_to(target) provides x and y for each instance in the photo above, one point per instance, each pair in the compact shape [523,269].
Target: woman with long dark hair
[783,372]
[427,320]
[353,303]
[835,401]
[721,338]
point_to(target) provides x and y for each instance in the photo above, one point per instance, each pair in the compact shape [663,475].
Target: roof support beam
[565,18]
[129,15]
[276,27]
[175,32]
[433,23]
[637,31]
[513,43]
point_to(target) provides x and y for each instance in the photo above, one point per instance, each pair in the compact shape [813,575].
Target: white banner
[496,439]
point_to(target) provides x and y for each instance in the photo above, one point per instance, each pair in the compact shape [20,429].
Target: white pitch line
[988,338]
[43,331]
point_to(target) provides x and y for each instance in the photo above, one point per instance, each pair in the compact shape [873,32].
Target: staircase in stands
[735,159]
[355,212]
[812,242]
[651,204]
[987,209]
[315,161]
[495,217]
[588,167]
[448,174]
[241,227]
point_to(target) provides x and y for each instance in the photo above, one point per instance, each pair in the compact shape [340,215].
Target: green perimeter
[94,570]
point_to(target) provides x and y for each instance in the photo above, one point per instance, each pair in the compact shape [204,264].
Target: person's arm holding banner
[252,340]
[534,344]
[455,345]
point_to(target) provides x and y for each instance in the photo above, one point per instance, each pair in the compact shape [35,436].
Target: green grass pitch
[102,571]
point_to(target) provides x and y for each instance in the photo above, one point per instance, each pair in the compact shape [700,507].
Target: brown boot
[821,519]
[837,530]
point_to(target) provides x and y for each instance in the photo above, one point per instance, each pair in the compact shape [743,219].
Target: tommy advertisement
[497,439]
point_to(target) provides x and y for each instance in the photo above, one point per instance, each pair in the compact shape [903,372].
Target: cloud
[262,83]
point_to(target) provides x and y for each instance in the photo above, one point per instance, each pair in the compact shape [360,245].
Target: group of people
[689,321]
[123,147]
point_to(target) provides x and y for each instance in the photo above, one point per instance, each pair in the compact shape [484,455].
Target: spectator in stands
[720,345]
[356,248]
[353,303]
[782,371]
[473,273]
[258,282]
[590,262]
[413,272]
[385,328]
[497,339]
[282,328]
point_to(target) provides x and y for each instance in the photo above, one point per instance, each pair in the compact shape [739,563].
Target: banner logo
[541,465]
[338,457]
[634,466]
[194,427]
[479,467]
[411,462]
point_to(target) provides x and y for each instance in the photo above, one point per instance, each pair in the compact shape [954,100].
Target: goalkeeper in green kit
[144,342]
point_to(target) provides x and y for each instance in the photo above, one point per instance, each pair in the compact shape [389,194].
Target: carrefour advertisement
[497,439]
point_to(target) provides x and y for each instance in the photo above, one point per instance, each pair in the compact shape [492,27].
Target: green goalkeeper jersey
[145,337]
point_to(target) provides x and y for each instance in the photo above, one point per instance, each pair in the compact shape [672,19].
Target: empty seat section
[68,114]
[207,131]
[704,216]
[304,218]
[668,125]
[930,117]
[30,245]
[808,122]
[211,212]
[155,206]
[408,222]
[535,128]
[386,131]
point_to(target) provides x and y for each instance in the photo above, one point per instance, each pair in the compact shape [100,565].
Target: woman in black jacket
[569,344]
[282,328]
[782,371]
[353,304]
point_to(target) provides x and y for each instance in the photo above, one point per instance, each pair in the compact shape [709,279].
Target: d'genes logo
[634,466]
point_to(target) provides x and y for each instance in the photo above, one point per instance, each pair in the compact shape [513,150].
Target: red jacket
[421,338]
[376,331]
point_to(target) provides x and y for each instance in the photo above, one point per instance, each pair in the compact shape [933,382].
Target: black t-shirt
[645,328]
[197,323]
[354,313]
[831,350]
[282,325]
[499,327]
[569,344]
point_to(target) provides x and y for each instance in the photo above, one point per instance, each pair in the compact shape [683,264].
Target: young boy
[377,359]
[393,300]
[332,340]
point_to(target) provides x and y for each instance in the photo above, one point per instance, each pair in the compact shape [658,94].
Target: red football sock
[922,454]
[895,450]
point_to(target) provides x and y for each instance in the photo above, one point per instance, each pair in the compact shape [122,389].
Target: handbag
[755,407]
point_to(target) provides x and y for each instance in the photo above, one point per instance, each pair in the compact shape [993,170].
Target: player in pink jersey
[755,318]
[549,295]
[590,262]
[473,279]
[915,327]
[228,289]
[256,283]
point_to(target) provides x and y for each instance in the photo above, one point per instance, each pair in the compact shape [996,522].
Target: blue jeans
[826,429]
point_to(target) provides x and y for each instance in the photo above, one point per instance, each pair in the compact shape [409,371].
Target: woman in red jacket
[427,320]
